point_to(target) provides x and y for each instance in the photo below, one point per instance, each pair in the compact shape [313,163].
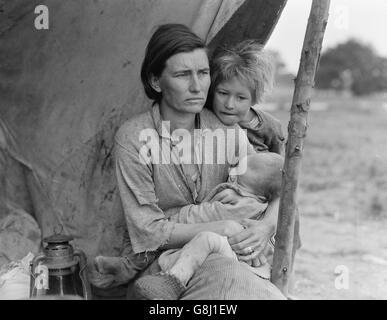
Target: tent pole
[297,127]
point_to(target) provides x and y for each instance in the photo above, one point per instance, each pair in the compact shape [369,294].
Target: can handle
[83,273]
[35,262]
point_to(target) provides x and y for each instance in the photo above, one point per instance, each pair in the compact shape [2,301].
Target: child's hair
[249,63]
[263,176]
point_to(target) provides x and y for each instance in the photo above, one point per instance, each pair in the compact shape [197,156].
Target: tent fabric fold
[65,91]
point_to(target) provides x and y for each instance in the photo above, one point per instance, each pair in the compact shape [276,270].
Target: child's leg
[178,266]
[193,254]
[109,272]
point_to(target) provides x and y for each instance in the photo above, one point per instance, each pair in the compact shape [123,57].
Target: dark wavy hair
[166,41]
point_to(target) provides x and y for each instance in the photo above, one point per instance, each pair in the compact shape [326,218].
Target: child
[262,181]
[240,77]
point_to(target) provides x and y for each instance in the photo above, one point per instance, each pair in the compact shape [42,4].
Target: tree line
[353,67]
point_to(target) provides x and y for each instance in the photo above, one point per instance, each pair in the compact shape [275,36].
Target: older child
[240,77]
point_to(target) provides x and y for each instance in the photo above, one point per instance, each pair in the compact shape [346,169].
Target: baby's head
[240,76]
[263,174]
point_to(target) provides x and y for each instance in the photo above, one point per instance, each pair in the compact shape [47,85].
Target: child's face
[232,101]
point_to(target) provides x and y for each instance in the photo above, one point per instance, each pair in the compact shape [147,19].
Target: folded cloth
[15,279]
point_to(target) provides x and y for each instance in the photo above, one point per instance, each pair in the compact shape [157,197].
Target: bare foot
[109,272]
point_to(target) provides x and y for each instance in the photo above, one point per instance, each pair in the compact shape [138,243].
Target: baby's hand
[231,228]
[258,261]
[227,196]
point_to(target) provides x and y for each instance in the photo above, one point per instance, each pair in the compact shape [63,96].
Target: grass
[342,196]
[344,165]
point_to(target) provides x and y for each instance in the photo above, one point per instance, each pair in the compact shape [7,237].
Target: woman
[159,190]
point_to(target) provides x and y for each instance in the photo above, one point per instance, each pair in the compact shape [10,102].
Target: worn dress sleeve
[265,132]
[215,211]
[147,224]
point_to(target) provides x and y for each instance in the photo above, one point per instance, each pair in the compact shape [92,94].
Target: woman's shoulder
[130,131]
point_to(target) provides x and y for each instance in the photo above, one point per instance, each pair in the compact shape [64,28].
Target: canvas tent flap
[65,91]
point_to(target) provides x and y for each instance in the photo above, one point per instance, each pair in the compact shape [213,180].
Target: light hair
[249,63]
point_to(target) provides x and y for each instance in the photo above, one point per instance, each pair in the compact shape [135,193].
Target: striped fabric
[222,278]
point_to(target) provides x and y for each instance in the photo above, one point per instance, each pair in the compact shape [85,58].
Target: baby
[262,181]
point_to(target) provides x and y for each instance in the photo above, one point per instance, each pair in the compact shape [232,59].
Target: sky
[365,20]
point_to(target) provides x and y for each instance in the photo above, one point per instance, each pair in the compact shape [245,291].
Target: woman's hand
[250,242]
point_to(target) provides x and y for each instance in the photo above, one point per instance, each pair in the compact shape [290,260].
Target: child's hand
[231,228]
[258,261]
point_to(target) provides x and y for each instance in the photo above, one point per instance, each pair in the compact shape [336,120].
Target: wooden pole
[297,127]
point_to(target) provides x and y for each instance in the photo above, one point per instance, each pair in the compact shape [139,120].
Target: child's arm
[276,140]
[265,133]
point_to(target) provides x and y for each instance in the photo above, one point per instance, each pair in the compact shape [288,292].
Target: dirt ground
[329,243]
[343,200]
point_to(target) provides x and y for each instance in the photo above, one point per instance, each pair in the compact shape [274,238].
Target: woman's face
[232,101]
[184,82]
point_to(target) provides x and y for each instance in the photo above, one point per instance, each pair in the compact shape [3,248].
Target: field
[342,199]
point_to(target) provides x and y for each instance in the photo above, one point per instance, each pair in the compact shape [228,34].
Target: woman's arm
[240,208]
[148,227]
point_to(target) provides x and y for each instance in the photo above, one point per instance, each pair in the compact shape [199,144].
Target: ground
[343,199]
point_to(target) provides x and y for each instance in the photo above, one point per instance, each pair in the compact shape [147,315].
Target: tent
[65,91]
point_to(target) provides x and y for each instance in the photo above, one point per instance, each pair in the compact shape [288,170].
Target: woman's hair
[166,41]
[249,63]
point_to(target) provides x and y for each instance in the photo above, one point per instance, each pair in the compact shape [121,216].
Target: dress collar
[162,127]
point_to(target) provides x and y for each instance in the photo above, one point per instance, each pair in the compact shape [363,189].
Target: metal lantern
[60,270]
